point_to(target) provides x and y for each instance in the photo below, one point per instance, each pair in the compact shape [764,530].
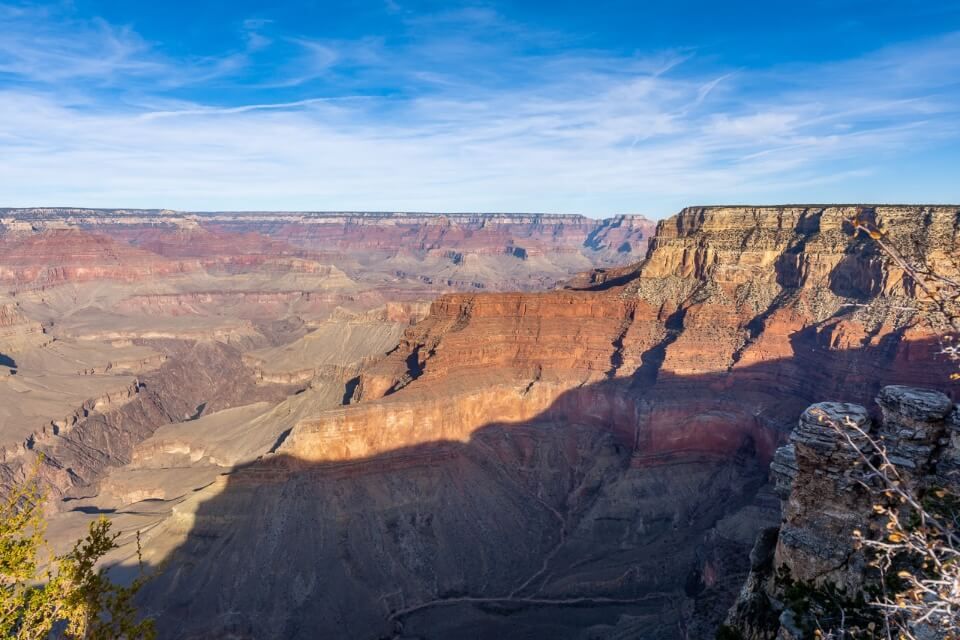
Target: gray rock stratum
[825,502]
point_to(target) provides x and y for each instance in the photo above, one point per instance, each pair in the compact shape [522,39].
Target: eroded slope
[565,464]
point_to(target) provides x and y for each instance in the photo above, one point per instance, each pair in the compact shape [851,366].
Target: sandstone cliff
[33,259]
[754,312]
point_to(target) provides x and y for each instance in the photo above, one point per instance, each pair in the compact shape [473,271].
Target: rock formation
[52,256]
[825,503]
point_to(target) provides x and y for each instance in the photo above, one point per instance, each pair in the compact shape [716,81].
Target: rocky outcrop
[18,331]
[825,501]
[758,281]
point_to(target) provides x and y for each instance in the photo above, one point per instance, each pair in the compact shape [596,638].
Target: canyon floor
[414,426]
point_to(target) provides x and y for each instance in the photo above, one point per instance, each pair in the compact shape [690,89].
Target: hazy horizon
[439,212]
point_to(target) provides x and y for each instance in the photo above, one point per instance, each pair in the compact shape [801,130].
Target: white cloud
[572,131]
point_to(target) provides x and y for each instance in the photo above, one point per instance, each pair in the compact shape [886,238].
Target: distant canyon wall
[45,246]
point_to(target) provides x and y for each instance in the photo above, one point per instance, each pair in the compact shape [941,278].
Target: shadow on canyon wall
[625,509]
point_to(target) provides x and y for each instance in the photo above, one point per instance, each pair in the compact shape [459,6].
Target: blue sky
[595,108]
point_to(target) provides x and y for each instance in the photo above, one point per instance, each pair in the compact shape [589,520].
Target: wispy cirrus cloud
[448,118]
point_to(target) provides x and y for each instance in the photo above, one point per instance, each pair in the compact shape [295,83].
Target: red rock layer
[576,446]
[54,256]
[737,319]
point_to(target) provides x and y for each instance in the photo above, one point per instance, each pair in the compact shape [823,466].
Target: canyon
[99,305]
[464,425]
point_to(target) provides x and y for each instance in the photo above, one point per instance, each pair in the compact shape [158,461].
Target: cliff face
[824,503]
[764,309]
[627,424]
[17,332]
[762,284]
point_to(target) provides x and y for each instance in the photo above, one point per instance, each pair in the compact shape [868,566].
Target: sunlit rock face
[579,463]
[53,256]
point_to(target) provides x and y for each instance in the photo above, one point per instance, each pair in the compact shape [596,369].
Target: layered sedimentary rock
[17,331]
[761,281]
[576,463]
[101,432]
[759,309]
[826,501]
[93,299]
[440,250]
[583,462]
[33,259]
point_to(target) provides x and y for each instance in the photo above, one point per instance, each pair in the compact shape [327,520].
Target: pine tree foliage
[41,593]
